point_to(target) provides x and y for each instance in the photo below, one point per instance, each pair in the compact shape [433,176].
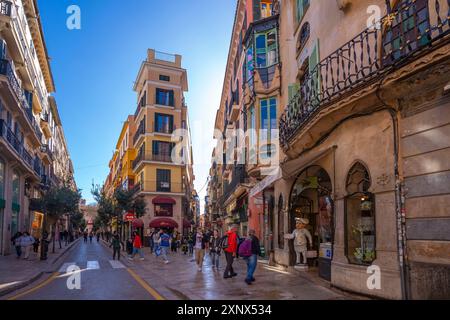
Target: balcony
[139,132]
[153,186]
[239,176]
[19,96]
[234,113]
[45,125]
[365,59]
[160,157]
[9,137]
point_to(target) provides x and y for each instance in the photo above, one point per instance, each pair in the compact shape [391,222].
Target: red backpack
[245,249]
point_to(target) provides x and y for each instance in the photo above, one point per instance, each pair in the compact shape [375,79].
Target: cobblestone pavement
[180,279]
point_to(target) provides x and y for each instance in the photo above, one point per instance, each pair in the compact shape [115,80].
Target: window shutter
[171,102]
[256,10]
[315,73]
[299,10]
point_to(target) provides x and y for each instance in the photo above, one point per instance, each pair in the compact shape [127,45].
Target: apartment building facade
[33,151]
[362,112]
[154,153]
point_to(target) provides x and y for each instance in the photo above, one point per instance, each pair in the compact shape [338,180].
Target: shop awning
[292,168]
[163,223]
[267,182]
[163,200]
[138,223]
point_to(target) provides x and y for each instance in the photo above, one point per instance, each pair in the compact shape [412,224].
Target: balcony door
[163,180]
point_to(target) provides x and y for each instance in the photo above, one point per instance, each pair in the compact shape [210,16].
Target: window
[162,151]
[303,36]
[164,97]
[163,210]
[266,47]
[268,109]
[162,180]
[164,78]
[250,65]
[143,100]
[266,9]
[301,6]
[359,217]
[252,135]
[163,123]
[15,188]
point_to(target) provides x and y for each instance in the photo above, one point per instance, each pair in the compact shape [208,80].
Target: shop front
[310,200]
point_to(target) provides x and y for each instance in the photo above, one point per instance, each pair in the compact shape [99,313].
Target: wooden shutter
[171,98]
[315,73]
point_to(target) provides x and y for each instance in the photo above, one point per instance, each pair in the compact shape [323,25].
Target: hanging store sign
[265,183]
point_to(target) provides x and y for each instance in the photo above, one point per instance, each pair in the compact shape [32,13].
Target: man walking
[230,246]
[116,244]
[137,247]
[214,249]
[164,244]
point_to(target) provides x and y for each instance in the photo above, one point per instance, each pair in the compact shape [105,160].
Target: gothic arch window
[359,217]
[303,37]
[280,222]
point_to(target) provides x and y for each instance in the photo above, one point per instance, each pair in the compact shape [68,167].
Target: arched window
[359,217]
[280,222]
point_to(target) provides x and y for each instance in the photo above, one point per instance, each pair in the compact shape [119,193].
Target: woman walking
[214,245]
[16,241]
[26,243]
[200,245]
[116,244]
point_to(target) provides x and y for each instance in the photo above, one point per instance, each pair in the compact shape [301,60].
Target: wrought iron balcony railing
[140,131]
[8,135]
[401,35]
[6,70]
[160,157]
[239,176]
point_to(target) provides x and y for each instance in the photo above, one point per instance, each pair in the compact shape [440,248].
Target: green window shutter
[299,10]
[256,10]
[15,207]
[314,60]
[292,90]
[2,203]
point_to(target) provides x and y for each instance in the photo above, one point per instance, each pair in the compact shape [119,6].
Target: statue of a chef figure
[301,237]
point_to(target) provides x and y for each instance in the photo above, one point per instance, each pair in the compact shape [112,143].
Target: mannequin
[301,237]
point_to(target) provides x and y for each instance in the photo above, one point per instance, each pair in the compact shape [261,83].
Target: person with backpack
[250,250]
[214,249]
[230,245]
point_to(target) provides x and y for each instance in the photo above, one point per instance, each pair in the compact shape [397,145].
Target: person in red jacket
[137,246]
[230,251]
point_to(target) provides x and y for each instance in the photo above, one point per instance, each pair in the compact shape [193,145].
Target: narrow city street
[101,278]
[105,279]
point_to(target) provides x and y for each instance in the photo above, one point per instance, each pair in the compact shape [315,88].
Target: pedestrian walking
[164,244]
[250,250]
[154,239]
[137,246]
[91,235]
[173,243]
[116,244]
[229,245]
[85,236]
[130,246]
[98,236]
[215,249]
[184,245]
[16,239]
[200,245]
[191,243]
[36,245]
[26,242]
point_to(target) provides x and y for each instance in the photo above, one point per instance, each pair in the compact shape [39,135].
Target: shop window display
[359,217]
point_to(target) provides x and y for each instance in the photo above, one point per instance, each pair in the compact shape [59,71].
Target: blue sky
[94,69]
